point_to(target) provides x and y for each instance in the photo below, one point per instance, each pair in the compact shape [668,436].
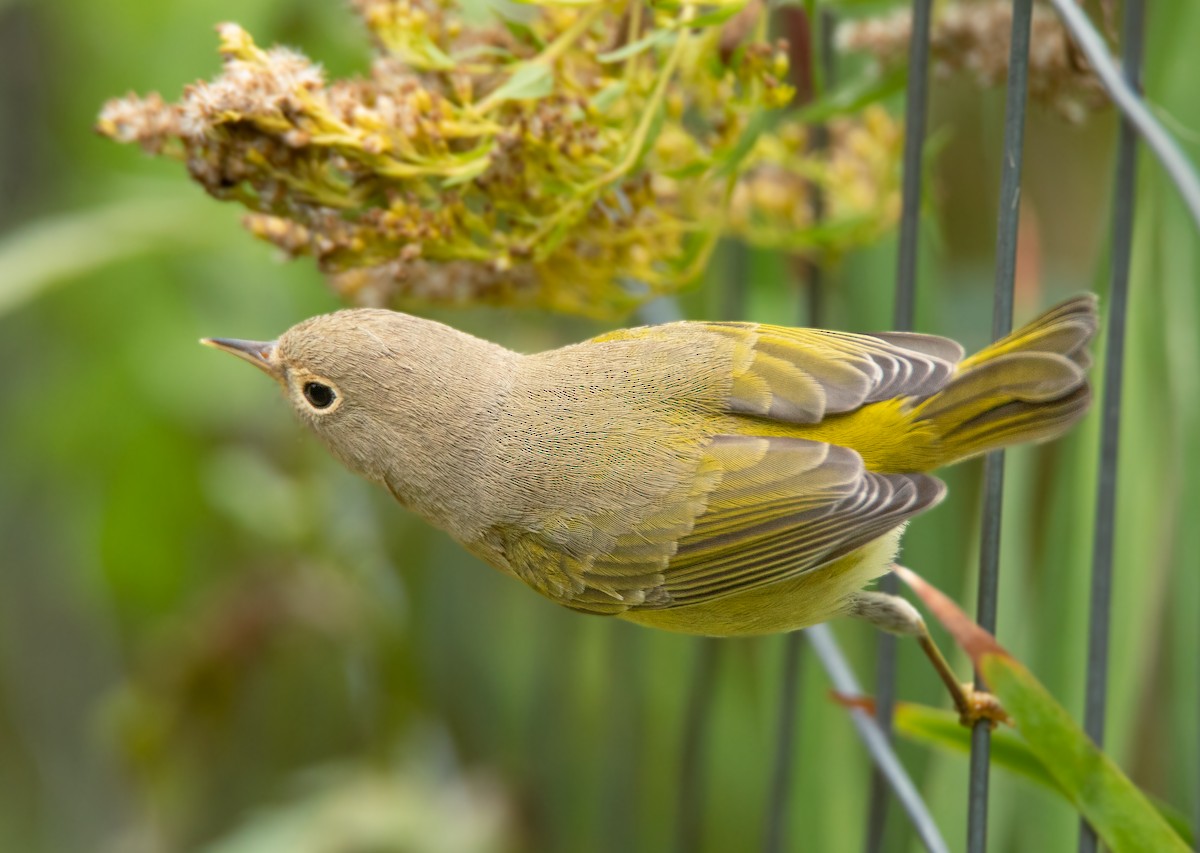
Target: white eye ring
[319,395]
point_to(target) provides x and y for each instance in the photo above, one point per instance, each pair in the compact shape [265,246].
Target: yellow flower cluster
[578,156]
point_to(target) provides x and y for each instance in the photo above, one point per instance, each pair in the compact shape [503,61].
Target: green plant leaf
[854,96]
[645,43]
[717,16]
[531,80]
[940,728]
[755,127]
[60,247]
[469,172]
[1115,807]
[609,95]
[1112,804]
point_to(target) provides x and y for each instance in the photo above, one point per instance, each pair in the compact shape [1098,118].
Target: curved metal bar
[877,743]
[1124,95]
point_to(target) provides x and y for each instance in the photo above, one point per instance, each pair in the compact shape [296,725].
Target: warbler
[716,478]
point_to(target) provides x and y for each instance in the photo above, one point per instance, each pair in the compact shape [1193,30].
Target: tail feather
[1029,386]
[1065,329]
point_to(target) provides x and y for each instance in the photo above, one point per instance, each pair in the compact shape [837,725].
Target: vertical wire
[819,50]
[622,816]
[693,753]
[696,711]
[993,480]
[915,110]
[775,836]
[699,697]
[1096,695]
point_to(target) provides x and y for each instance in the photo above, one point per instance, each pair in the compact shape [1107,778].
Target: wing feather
[779,507]
[802,375]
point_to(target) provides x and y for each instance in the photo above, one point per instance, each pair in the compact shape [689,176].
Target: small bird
[712,478]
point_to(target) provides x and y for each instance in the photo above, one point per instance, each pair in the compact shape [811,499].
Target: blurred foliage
[970,39]
[200,609]
[374,810]
[581,157]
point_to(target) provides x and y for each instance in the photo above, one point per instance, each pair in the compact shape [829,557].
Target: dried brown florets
[580,158]
[973,38]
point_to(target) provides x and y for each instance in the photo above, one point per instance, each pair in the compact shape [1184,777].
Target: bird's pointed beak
[259,353]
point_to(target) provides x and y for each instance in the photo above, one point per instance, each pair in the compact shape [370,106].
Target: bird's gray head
[368,382]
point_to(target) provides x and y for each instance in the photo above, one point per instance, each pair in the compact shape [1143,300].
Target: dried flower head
[579,156]
[972,38]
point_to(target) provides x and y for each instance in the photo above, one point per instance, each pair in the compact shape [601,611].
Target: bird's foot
[975,705]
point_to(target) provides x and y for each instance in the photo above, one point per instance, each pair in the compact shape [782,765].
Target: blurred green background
[212,637]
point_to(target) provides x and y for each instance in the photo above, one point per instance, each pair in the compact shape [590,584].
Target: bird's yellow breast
[808,599]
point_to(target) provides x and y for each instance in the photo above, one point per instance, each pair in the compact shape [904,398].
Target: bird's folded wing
[802,375]
[763,510]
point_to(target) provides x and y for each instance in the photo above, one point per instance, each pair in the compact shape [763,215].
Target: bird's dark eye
[321,396]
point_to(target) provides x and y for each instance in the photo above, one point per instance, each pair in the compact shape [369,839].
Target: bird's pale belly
[813,597]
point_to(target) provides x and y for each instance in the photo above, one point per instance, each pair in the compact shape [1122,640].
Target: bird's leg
[895,615]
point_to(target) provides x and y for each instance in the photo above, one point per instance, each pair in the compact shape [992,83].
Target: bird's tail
[1029,386]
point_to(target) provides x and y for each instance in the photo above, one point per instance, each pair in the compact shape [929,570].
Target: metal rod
[624,790]
[915,112]
[1008,221]
[774,837]
[693,753]
[699,699]
[1096,694]
[877,744]
[1129,101]
[819,53]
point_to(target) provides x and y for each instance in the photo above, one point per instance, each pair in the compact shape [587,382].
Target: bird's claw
[980,705]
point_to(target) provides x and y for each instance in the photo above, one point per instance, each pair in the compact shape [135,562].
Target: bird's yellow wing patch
[764,509]
[802,375]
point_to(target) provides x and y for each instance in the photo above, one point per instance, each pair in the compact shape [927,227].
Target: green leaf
[758,123]
[941,728]
[656,126]
[1115,807]
[531,80]
[521,31]
[717,16]
[468,172]
[691,170]
[609,95]
[855,95]
[435,58]
[655,38]
[60,247]
[482,51]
